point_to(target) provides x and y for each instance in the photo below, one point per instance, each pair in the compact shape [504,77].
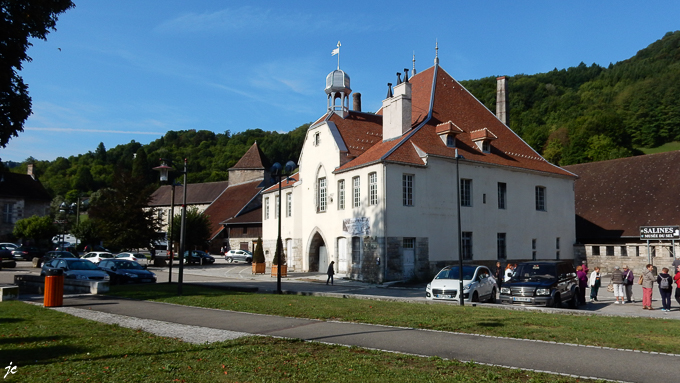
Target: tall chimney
[29,170]
[357,102]
[501,99]
[397,112]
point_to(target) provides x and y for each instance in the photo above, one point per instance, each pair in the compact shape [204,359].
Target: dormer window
[482,138]
[447,132]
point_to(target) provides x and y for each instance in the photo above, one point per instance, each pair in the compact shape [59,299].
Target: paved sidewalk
[583,361]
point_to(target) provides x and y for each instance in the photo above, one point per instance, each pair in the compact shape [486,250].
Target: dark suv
[542,283]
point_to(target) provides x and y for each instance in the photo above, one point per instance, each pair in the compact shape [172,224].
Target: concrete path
[583,361]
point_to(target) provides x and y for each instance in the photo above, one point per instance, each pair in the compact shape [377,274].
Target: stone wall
[634,255]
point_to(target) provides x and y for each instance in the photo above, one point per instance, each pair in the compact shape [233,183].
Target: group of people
[622,283]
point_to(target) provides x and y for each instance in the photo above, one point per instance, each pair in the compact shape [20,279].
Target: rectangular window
[266,208]
[609,250]
[373,188]
[637,251]
[540,198]
[596,250]
[501,246]
[466,239]
[409,243]
[502,195]
[356,250]
[624,251]
[533,249]
[276,207]
[7,213]
[289,204]
[322,195]
[356,187]
[341,195]
[465,192]
[407,187]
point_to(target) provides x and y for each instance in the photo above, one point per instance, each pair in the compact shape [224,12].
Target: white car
[131,256]
[96,256]
[238,255]
[478,284]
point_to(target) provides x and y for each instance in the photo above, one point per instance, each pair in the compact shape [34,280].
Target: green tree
[197,228]
[279,253]
[19,21]
[87,232]
[121,213]
[40,229]
[258,255]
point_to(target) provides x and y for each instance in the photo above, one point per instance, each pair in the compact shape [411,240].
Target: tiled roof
[359,131]
[285,183]
[230,203]
[17,185]
[203,193]
[451,103]
[253,216]
[252,159]
[614,198]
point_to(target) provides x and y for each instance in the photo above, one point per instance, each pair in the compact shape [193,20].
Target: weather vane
[336,51]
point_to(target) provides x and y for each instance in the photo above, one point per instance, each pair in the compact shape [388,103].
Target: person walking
[617,281]
[647,287]
[665,282]
[582,284]
[628,280]
[594,283]
[330,273]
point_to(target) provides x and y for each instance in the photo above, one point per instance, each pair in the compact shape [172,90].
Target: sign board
[659,232]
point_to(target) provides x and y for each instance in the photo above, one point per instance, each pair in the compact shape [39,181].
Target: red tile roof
[252,159]
[452,102]
[285,183]
[614,198]
[234,199]
[203,193]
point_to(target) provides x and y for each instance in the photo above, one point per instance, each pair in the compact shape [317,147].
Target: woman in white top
[594,283]
[509,270]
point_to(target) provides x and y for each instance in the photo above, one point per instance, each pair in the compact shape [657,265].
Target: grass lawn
[667,147]
[646,334]
[49,346]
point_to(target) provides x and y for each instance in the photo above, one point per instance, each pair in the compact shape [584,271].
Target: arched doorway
[318,254]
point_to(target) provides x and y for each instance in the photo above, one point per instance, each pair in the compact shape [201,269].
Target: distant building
[21,196]
[615,198]
[377,193]
[233,207]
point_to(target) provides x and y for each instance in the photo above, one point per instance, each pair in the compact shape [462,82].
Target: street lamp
[65,209]
[164,169]
[461,299]
[278,171]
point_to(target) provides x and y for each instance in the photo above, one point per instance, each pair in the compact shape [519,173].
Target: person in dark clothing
[582,284]
[498,275]
[665,282]
[330,273]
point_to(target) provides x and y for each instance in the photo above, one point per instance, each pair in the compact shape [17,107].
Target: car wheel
[493,296]
[557,301]
[475,297]
[230,259]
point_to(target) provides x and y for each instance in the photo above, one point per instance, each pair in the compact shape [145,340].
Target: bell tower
[337,87]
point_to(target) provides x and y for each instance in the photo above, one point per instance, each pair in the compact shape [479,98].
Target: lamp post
[278,171]
[164,169]
[66,209]
[461,299]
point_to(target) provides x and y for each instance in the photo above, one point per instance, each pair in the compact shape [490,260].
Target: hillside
[591,113]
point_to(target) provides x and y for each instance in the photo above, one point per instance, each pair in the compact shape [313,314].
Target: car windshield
[452,273]
[82,265]
[533,272]
[128,265]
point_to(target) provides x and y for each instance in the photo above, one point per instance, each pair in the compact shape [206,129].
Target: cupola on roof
[338,81]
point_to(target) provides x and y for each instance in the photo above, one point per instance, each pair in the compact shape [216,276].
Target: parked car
[126,271]
[27,253]
[9,245]
[131,256]
[6,257]
[97,256]
[57,254]
[76,268]
[478,284]
[198,257]
[238,255]
[544,283]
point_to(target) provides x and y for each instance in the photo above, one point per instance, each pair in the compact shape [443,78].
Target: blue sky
[117,71]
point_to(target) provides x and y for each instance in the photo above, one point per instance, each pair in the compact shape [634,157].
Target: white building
[376,193]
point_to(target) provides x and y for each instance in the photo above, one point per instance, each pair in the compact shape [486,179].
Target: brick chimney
[29,170]
[397,111]
[501,99]
[357,102]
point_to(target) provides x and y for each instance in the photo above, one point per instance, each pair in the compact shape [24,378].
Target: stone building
[21,196]
[615,198]
[377,192]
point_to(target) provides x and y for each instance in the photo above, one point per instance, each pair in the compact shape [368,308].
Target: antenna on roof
[414,64]
[436,52]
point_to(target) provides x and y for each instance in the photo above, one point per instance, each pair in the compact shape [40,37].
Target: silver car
[238,255]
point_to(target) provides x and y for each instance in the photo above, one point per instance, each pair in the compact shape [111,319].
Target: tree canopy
[19,21]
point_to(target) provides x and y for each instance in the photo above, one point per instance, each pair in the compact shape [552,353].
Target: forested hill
[581,114]
[593,113]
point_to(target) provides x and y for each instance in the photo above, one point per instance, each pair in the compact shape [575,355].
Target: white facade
[403,222]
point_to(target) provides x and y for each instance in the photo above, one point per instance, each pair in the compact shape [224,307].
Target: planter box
[284,270]
[259,268]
